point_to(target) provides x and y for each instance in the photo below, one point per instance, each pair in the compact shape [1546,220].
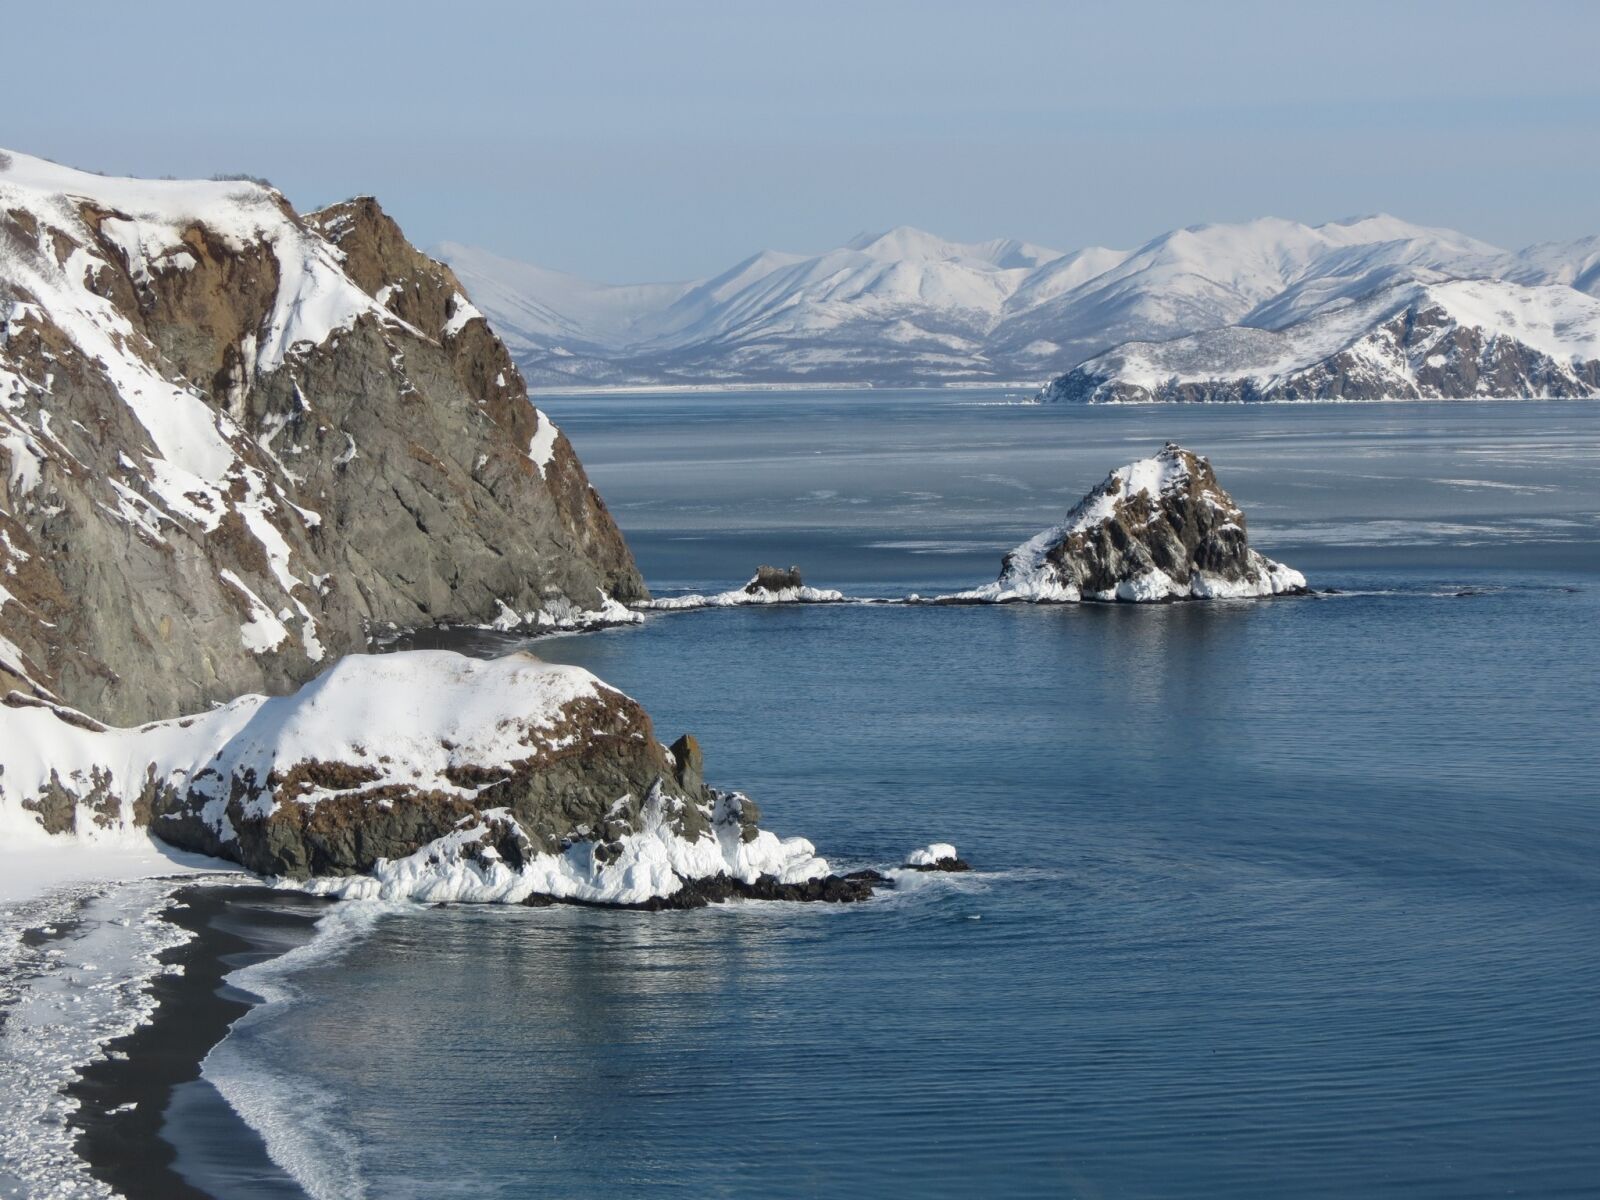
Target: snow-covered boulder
[937,856]
[1161,528]
[423,774]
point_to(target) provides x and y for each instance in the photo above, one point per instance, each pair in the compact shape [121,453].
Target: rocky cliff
[234,439]
[1456,340]
[1161,528]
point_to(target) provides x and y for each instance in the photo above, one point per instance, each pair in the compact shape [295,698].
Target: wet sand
[125,1131]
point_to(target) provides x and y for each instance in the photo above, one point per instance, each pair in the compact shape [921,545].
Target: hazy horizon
[630,142]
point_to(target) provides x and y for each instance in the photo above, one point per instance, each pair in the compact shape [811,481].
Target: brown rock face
[391,473]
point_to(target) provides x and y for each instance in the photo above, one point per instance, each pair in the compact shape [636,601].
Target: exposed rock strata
[233,440]
[1158,529]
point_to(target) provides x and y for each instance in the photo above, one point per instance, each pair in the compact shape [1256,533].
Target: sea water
[1286,898]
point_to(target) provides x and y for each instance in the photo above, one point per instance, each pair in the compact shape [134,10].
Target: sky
[630,141]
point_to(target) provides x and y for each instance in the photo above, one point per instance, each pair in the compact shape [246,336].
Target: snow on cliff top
[315,296]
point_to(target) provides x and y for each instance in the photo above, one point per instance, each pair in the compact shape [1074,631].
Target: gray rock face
[1158,529]
[196,501]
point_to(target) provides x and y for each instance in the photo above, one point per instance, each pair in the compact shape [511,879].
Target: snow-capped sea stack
[234,439]
[423,775]
[1161,528]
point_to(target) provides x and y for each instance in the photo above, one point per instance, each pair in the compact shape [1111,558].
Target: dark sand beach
[126,1131]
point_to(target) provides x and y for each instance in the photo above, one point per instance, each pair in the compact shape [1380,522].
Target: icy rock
[1158,529]
[939,856]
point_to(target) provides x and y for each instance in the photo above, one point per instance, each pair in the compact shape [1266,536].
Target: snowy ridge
[1445,339]
[189,371]
[148,220]
[907,306]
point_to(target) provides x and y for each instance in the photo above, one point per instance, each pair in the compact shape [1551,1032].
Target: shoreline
[125,1094]
[731,389]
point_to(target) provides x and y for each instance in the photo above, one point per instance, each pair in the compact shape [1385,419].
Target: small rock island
[1158,529]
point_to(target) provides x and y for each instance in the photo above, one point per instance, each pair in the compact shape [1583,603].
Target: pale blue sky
[629,141]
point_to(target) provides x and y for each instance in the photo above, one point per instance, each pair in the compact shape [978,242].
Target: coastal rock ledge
[422,775]
[769,585]
[1158,529]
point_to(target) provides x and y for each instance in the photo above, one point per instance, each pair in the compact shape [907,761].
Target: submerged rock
[1161,528]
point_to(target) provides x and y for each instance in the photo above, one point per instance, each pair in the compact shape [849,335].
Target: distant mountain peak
[906,306]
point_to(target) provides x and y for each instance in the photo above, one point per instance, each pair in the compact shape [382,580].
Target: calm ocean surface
[1292,898]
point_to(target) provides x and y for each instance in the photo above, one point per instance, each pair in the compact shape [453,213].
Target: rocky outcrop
[940,856]
[234,440]
[769,585]
[422,775]
[1158,529]
[1458,340]
[774,579]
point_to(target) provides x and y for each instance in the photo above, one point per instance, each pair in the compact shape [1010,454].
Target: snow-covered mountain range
[907,307]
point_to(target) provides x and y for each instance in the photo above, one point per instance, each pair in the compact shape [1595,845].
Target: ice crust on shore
[653,863]
[561,616]
[63,1001]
